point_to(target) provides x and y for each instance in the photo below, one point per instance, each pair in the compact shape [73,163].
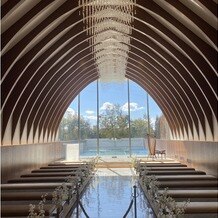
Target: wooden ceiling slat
[179,73]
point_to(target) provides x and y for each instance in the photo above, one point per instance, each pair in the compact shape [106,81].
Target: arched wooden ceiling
[47,61]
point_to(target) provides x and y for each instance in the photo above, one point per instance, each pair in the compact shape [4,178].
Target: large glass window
[112,119]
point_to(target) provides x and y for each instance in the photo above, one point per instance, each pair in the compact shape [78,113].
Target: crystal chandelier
[109,23]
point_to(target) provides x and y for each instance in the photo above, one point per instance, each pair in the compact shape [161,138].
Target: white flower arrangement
[32,214]
[41,214]
[150,184]
[136,164]
[59,195]
[165,205]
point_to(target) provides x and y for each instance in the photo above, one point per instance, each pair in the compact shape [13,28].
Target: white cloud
[90,112]
[107,105]
[133,107]
[91,117]
[69,112]
[152,120]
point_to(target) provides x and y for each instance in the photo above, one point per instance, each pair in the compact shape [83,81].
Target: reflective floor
[110,193]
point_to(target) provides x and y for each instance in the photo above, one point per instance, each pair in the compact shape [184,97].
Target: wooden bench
[193,195]
[189,184]
[22,210]
[162,165]
[49,174]
[60,167]
[200,207]
[32,186]
[176,172]
[68,164]
[56,170]
[184,177]
[168,168]
[41,179]
[31,195]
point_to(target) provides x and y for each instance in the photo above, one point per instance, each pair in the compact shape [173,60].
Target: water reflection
[110,196]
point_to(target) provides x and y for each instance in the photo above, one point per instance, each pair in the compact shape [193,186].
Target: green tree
[113,123]
[139,128]
[68,129]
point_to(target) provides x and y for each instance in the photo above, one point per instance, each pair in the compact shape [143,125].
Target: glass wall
[88,120]
[112,120]
[68,129]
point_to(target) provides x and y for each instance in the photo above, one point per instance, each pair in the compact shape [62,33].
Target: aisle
[110,193]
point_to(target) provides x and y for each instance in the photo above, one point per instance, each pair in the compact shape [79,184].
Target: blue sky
[115,93]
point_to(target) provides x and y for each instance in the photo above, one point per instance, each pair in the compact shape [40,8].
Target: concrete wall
[19,159]
[199,154]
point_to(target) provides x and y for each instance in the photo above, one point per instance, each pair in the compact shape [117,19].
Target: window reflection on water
[110,196]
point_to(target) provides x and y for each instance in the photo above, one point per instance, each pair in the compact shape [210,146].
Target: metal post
[148,130]
[79,136]
[135,206]
[148,115]
[97,117]
[77,201]
[130,144]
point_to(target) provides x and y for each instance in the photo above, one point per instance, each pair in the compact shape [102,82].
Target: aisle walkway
[110,193]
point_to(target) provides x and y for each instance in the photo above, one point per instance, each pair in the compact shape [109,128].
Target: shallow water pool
[110,193]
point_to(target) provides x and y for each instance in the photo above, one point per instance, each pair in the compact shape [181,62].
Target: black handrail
[131,203]
[78,203]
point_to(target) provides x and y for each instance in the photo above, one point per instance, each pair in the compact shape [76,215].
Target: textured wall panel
[19,159]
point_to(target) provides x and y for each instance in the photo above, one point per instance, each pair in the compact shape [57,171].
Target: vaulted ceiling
[47,60]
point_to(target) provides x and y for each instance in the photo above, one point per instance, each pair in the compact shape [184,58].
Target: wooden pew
[162,165]
[55,170]
[193,195]
[168,168]
[68,164]
[61,167]
[189,184]
[174,172]
[49,174]
[31,195]
[22,210]
[184,177]
[38,179]
[200,207]
[32,186]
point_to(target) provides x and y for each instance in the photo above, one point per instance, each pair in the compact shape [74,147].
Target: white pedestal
[72,152]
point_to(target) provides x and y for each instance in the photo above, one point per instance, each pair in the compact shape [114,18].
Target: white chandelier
[109,23]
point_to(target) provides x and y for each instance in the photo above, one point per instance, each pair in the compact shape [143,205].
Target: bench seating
[32,195]
[55,170]
[168,168]
[32,186]
[162,165]
[186,183]
[176,172]
[190,184]
[193,195]
[38,179]
[68,164]
[61,167]
[184,177]
[200,207]
[22,210]
[48,174]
